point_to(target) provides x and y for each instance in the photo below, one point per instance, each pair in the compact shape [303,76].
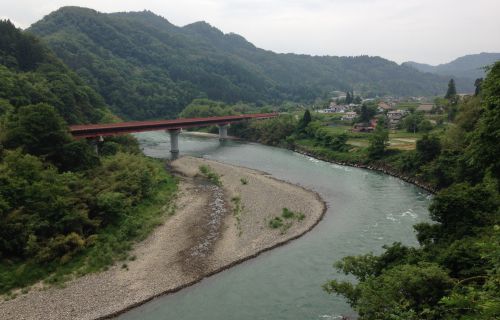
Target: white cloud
[432,31]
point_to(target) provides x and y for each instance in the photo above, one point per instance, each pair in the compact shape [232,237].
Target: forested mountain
[30,73]
[145,67]
[466,69]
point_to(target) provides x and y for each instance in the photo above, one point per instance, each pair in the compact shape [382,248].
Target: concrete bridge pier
[223,131]
[95,142]
[174,141]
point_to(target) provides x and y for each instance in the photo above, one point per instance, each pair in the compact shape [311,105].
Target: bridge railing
[112,129]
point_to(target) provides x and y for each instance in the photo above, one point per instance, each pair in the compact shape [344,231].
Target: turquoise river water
[366,210]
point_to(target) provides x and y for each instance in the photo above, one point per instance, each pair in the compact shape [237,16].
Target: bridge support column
[174,141]
[95,143]
[223,131]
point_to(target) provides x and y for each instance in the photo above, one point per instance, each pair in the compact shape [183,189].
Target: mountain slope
[31,74]
[145,67]
[466,68]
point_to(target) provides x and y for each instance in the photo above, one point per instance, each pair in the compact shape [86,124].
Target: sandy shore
[206,235]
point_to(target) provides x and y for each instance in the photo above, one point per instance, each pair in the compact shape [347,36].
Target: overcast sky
[429,31]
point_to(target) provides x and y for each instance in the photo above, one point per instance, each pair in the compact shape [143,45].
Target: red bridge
[97,131]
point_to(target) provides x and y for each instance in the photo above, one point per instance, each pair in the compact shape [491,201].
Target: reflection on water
[365,211]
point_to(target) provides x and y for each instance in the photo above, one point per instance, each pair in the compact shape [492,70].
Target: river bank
[213,229]
[375,167]
[379,167]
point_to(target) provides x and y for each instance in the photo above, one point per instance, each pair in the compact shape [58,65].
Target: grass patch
[276,223]
[237,210]
[210,174]
[287,214]
[111,244]
[243,181]
[285,221]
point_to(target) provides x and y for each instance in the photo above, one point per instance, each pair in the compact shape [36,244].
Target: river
[366,210]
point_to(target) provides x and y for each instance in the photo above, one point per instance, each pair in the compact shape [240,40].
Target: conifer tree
[348,98]
[452,90]
[305,120]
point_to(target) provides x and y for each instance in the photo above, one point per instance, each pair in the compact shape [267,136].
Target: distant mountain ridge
[146,67]
[468,67]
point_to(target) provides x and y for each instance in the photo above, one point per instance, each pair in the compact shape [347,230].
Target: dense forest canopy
[145,67]
[30,73]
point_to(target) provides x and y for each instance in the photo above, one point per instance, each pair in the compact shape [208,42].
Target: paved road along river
[365,211]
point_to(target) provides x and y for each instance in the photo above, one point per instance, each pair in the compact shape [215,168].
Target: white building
[349,116]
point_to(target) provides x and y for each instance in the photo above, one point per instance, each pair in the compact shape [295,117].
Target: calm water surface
[365,211]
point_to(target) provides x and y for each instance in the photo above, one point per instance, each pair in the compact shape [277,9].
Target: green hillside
[145,67]
[31,74]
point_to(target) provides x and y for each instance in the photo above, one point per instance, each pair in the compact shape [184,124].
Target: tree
[349,97]
[483,152]
[37,129]
[366,113]
[306,119]
[478,84]
[378,142]
[428,148]
[415,122]
[461,209]
[338,142]
[402,292]
[202,108]
[452,90]
[76,156]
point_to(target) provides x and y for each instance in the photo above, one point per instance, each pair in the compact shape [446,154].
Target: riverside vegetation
[64,211]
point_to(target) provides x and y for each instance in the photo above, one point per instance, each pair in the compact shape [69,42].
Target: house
[349,116]
[425,107]
[395,117]
[328,110]
[384,105]
[334,108]
[363,127]
[338,108]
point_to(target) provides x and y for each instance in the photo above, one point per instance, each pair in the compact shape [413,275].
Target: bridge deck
[111,129]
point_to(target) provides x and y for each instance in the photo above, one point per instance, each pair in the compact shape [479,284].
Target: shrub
[211,175]
[287,214]
[276,223]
